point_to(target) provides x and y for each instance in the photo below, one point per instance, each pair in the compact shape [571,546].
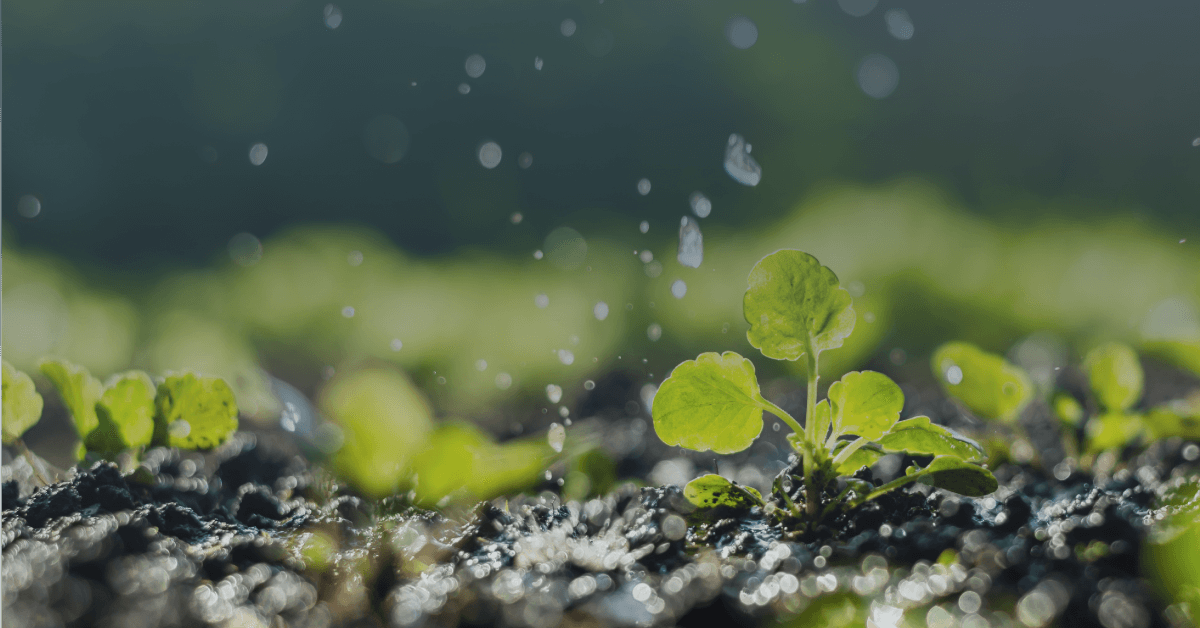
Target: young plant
[797,310]
[22,410]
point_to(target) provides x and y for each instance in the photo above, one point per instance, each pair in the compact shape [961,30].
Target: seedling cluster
[797,310]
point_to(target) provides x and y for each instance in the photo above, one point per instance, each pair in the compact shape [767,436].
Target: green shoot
[22,410]
[987,384]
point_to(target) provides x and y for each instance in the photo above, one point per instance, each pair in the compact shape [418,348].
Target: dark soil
[253,535]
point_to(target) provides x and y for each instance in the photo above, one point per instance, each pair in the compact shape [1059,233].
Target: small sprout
[79,392]
[987,384]
[22,404]
[126,415]
[1115,374]
[205,404]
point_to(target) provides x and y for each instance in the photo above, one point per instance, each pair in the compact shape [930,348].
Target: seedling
[797,310]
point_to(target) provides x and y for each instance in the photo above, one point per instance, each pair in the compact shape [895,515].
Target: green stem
[890,486]
[783,416]
[845,454]
[810,415]
[32,460]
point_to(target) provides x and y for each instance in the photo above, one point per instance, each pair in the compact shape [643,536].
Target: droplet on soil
[738,162]
[691,244]
[556,437]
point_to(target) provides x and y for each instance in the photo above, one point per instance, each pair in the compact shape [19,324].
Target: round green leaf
[79,392]
[126,414]
[22,403]
[795,306]
[954,475]
[712,402]
[919,436]
[1112,431]
[711,491]
[194,412]
[983,381]
[1115,374]
[864,457]
[865,403]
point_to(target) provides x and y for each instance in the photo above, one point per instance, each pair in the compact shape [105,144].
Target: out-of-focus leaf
[194,412]
[984,382]
[919,436]
[22,403]
[710,403]
[1182,353]
[1067,409]
[79,392]
[795,306]
[952,474]
[1112,431]
[1115,374]
[126,414]
[1171,420]
[711,491]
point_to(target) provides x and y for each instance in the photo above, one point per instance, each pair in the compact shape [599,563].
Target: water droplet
[549,476]
[600,311]
[654,332]
[899,24]
[355,258]
[553,393]
[441,380]
[489,155]
[1196,142]
[29,206]
[644,227]
[348,311]
[653,269]
[556,436]
[725,328]
[541,300]
[245,249]
[475,66]
[678,288]
[333,16]
[537,254]
[646,256]
[481,365]
[179,429]
[691,244]
[878,76]
[701,206]
[503,381]
[738,162]
[567,28]
[674,527]
[741,32]
[566,248]
[464,89]
[954,375]
[516,218]
[858,8]
[564,412]
[525,160]
[643,186]
[566,357]
[775,426]
[396,344]
[537,63]
[386,139]
[258,154]
[589,385]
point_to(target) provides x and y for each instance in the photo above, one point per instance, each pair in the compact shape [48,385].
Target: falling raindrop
[333,16]
[348,311]
[537,63]
[355,258]
[678,289]
[646,256]
[589,385]
[475,66]
[464,89]
[553,393]
[29,206]
[489,155]
[556,436]
[644,227]
[878,76]
[516,218]
[503,381]
[567,28]
[396,344]
[899,24]
[525,160]
[691,244]
[566,357]
[541,300]
[564,411]
[1196,142]
[701,206]
[653,269]
[601,311]
[741,32]
[738,162]
[654,332]
[858,8]
[481,365]
[954,375]
[537,254]
[245,249]
[643,186]
[258,154]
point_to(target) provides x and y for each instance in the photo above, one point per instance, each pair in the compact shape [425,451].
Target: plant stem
[32,460]
[894,484]
[783,416]
[810,415]
[845,454]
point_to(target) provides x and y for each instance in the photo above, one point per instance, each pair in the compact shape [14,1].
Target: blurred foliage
[1170,557]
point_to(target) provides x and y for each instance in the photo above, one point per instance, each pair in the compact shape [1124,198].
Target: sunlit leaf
[1113,431]
[795,306]
[384,420]
[864,457]
[821,421]
[711,491]
[1067,409]
[1180,418]
[1115,374]
[919,436]
[954,475]
[194,412]
[984,382]
[710,403]
[79,392]
[865,403]
[22,403]
[126,414]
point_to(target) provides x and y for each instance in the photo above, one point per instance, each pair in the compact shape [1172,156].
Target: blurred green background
[978,171]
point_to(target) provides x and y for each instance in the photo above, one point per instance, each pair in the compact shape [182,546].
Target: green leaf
[918,436]
[1067,409]
[954,475]
[1115,374]
[126,414]
[866,456]
[712,402]
[384,420]
[194,412]
[795,306]
[1180,417]
[984,382]
[712,491]
[22,403]
[865,403]
[821,421]
[79,392]
[1112,431]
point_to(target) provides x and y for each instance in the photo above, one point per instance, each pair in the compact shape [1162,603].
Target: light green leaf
[954,475]
[1184,353]
[460,456]
[712,402]
[126,414]
[1165,422]
[984,382]
[795,306]
[1113,431]
[1115,374]
[22,403]
[384,420]
[865,403]
[711,491]
[918,436]
[194,412]
[79,392]
[821,421]
[1067,409]
[866,456]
